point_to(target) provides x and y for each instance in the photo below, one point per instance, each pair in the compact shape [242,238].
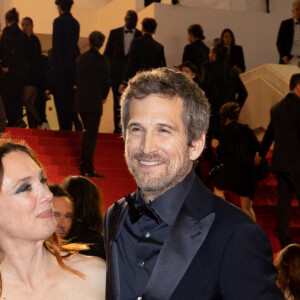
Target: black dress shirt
[139,244]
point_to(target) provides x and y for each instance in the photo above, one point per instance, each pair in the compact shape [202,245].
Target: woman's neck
[26,264]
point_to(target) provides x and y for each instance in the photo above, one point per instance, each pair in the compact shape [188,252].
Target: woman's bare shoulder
[94,271]
[88,265]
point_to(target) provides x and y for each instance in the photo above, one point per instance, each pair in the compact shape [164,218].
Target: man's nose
[149,142]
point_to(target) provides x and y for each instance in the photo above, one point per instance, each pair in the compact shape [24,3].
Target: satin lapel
[178,251]
[113,275]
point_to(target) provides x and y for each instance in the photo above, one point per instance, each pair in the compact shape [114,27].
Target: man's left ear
[197,147]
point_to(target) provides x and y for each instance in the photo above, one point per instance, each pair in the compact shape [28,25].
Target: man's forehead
[62,202]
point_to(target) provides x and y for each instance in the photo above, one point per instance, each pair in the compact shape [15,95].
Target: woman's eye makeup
[24,188]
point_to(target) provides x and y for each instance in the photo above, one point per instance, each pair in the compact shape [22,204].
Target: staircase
[59,153]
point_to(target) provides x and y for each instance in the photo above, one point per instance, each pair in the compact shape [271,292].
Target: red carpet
[59,153]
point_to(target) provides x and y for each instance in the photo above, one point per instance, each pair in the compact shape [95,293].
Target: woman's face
[227,38]
[26,211]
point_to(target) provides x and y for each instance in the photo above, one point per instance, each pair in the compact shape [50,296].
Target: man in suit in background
[288,39]
[65,50]
[284,130]
[173,238]
[93,82]
[145,53]
[116,50]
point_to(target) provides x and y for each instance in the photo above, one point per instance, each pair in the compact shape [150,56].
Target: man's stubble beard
[162,182]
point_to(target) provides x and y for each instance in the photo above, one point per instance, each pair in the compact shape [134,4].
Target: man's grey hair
[169,84]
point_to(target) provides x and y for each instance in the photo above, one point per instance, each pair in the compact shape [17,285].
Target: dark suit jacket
[14,52]
[93,82]
[196,52]
[213,251]
[114,50]
[285,39]
[145,53]
[284,129]
[236,57]
[65,49]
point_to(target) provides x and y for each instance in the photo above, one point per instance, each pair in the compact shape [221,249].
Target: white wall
[255,31]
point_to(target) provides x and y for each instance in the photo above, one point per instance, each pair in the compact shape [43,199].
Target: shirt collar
[133,30]
[168,205]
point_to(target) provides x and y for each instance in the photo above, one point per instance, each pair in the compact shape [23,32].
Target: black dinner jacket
[93,81]
[284,129]
[213,251]
[114,49]
[145,53]
[285,39]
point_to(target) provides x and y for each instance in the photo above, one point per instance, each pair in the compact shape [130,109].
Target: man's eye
[24,188]
[163,130]
[135,129]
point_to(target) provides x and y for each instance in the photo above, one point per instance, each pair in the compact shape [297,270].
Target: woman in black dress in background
[35,76]
[235,52]
[237,148]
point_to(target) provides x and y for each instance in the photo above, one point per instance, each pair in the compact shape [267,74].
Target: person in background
[237,146]
[87,220]
[288,265]
[284,129]
[93,82]
[172,238]
[14,51]
[235,52]
[145,52]
[34,263]
[33,81]
[288,39]
[116,50]
[221,83]
[63,210]
[196,51]
[64,53]
[190,69]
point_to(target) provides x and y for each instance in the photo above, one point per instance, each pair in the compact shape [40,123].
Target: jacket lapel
[177,253]
[117,218]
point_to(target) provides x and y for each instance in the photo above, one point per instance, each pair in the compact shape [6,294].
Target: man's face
[296,12]
[130,20]
[63,212]
[27,27]
[156,147]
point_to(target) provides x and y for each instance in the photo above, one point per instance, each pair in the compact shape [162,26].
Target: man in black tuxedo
[284,129]
[116,50]
[65,50]
[288,39]
[145,52]
[173,238]
[93,82]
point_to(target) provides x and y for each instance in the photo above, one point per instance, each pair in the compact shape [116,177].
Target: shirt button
[147,235]
[142,263]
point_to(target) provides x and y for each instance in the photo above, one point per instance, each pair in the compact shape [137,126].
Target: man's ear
[197,147]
